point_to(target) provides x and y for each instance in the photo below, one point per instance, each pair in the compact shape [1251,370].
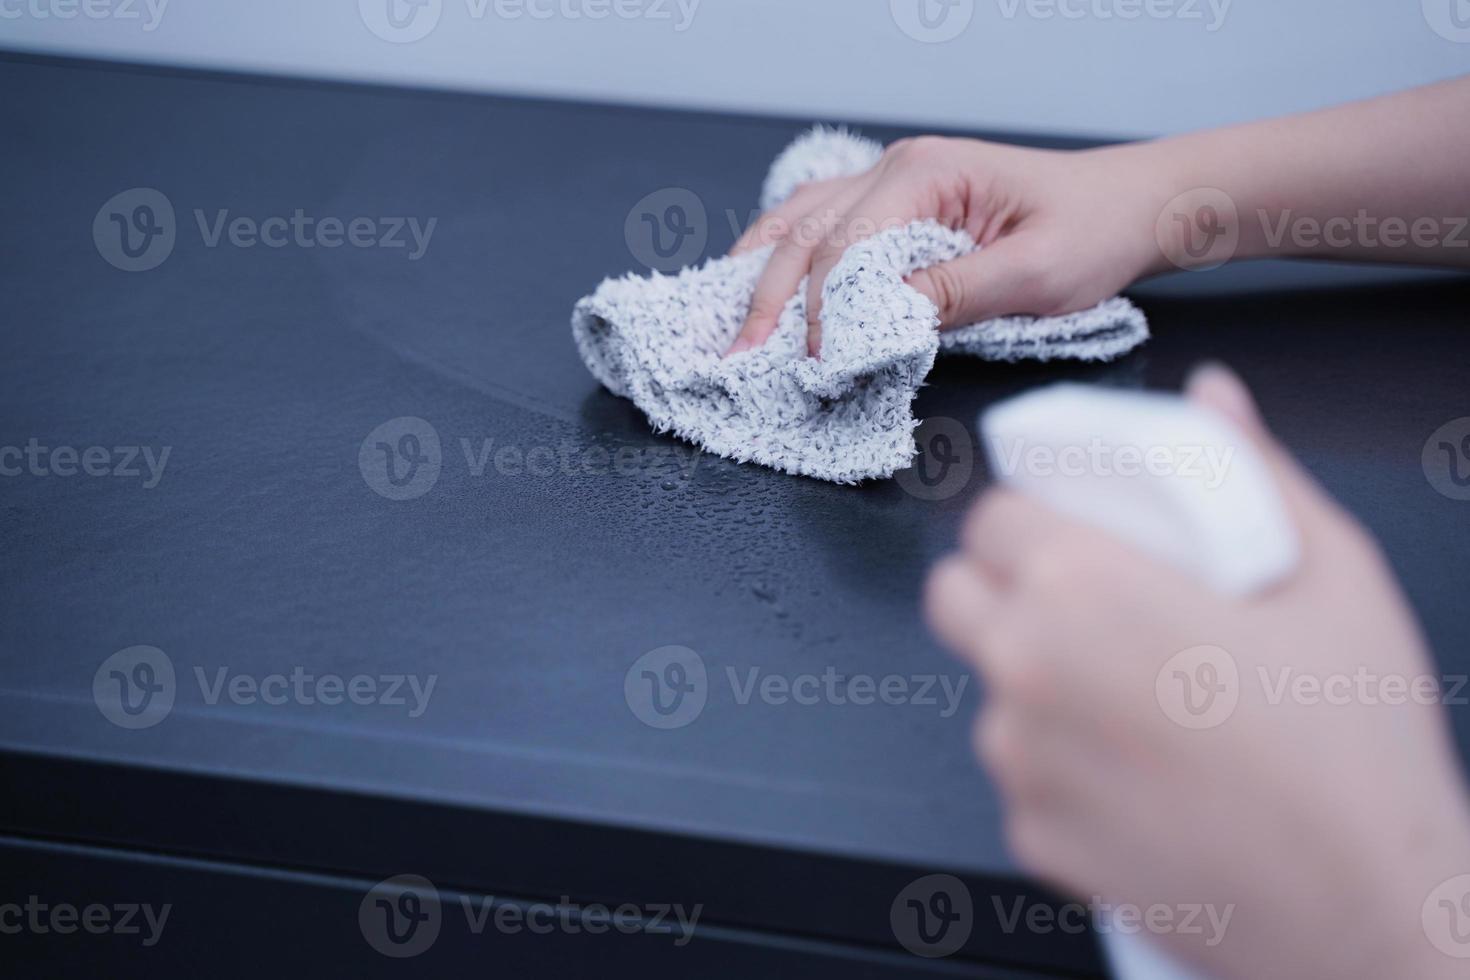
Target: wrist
[1148,180]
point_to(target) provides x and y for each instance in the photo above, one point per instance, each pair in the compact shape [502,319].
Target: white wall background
[1089,67]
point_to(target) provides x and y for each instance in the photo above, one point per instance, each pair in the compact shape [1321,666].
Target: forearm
[1386,180]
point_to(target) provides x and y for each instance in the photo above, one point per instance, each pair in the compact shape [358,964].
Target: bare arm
[1387,179]
[1383,180]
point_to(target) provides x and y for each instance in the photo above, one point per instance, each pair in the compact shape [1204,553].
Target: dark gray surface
[529,597]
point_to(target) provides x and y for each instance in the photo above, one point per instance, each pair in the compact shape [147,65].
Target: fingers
[1004,278]
[866,209]
[771,228]
[778,283]
[776,225]
[1312,510]
[791,262]
[1215,386]
[1006,529]
[958,603]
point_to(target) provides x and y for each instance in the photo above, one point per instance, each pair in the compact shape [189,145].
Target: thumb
[1220,389]
[993,281]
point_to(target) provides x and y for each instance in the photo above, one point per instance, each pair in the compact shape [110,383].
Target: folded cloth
[847,416]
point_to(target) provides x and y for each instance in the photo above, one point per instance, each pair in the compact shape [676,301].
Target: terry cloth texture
[844,417]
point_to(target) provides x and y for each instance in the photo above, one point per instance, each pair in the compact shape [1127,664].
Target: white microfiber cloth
[847,416]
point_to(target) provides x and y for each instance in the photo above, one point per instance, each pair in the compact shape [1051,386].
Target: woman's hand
[1063,230]
[1320,814]
[1060,231]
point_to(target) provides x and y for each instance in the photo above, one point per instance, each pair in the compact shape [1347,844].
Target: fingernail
[1223,388]
[741,345]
